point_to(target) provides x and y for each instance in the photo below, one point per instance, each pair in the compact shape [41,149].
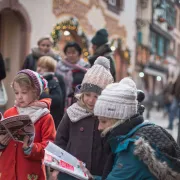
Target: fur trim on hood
[159,169]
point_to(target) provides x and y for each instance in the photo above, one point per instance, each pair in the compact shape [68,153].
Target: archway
[70,30]
[15,31]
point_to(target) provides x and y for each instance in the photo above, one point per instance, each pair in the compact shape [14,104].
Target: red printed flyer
[58,159]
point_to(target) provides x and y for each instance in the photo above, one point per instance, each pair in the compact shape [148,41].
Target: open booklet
[60,160]
[17,127]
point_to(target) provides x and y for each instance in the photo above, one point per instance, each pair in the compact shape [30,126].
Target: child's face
[41,69]
[89,99]
[104,123]
[23,95]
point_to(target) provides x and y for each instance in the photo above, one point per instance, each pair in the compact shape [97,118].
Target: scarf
[65,68]
[76,112]
[35,110]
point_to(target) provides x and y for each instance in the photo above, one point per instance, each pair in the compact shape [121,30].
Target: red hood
[47,101]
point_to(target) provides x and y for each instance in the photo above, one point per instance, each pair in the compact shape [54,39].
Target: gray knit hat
[118,100]
[98,76]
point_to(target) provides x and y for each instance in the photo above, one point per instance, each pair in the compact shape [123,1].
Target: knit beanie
[97,77]
[100,38]
[118,100]
[38,80]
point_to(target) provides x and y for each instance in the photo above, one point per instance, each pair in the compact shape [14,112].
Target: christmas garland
[70,25]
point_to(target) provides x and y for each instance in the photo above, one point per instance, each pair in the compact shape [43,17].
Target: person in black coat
[2,68]
[2,75]
[101,48]
[46,67]
[43,49]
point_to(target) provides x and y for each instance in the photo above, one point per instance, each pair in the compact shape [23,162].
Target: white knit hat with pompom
[118,100]
[98,76]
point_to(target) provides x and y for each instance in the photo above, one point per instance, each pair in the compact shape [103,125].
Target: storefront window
[153,42]
[160,46]
[171,15]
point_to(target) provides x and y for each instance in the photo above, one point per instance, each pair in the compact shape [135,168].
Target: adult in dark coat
[101,48]
[77,133]
[55,93]
[2,75]
[2,68]
[43,49]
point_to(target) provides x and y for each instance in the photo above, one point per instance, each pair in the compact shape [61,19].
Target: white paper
[57,158]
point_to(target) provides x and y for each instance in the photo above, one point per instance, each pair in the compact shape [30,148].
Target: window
[171,15]
[139,37]
[112,2]
[178,55]
[153,42]
[115,5]
[160,49]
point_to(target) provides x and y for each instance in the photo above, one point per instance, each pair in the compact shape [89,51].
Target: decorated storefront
[68,31]
[122,56]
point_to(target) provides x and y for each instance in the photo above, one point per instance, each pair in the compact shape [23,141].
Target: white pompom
[103,61]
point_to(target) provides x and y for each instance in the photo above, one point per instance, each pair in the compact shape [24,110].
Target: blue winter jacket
[127,165]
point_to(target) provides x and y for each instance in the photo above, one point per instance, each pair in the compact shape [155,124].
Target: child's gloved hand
[4,139]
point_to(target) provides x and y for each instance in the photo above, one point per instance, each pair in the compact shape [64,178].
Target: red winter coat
[14,164]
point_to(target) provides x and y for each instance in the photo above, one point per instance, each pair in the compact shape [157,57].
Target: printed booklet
[60,160]
[17,127]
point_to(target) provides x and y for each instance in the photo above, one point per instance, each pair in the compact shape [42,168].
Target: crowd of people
[79,106]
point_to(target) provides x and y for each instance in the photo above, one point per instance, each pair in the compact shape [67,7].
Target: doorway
[10,46]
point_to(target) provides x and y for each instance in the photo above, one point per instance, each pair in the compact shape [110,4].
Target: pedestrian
[173,112]
[43,49]
[167,95]
[46,66]
[72,68]
[101,47]
[141,150]
[18,160]
[77,133]
[3,99]
[148,102]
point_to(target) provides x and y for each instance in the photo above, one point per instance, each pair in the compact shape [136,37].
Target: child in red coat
[19,161]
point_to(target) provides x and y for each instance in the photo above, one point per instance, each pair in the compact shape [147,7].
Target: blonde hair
[114,123]
[45,38]
[80,101]
[47,62]
[24,81]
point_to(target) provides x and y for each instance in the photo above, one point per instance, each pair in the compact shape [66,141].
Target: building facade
[23,22]
[156,21]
